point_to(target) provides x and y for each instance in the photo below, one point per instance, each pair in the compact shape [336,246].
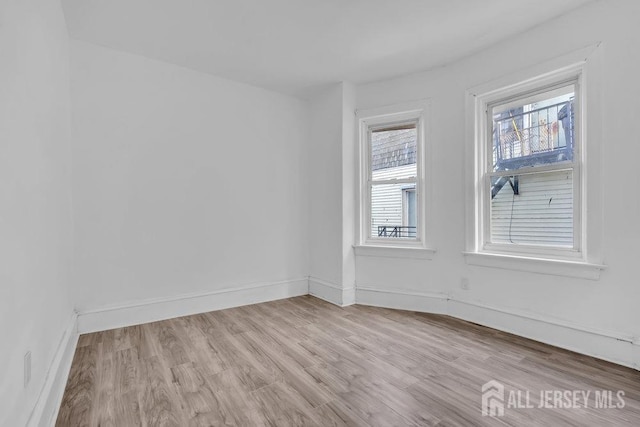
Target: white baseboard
[152,310]
[601,344]
[349,296]
[46,410]
[607,345]
[331,292]
[429,302]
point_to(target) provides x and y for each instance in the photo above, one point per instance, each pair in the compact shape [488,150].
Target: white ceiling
[292,46]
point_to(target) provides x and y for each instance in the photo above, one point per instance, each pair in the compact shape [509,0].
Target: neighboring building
[533,208]
[393,206]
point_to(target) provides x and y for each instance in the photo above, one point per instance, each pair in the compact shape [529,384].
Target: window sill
[394,252]
[582,270]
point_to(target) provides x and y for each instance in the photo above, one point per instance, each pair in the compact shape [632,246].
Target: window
[527,169]
[393,161]
[532,178]
[392,176]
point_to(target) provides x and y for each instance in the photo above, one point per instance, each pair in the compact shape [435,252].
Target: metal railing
[538,132]
[397,231]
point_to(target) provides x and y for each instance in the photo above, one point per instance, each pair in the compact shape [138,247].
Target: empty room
[319,213]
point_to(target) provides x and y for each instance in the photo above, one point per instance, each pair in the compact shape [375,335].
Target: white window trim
[394,252]
[577,269]
[587,262]
[366,245]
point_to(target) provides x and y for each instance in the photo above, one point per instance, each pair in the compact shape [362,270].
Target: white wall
[332,203]
[185,183]
[607,305]
[325,186]
[35,198]
[349,194]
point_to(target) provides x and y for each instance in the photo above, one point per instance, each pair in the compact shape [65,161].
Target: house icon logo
[492,399]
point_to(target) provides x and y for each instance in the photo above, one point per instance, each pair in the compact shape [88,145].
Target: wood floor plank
[371,410]
[78,403]
[281,406]
[201,349]
[126,396]
[335,414]
[200,404]
[103,408]
[305,362]
[174,350]
[159,402]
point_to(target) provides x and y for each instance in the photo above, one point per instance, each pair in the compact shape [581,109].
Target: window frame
[371,119]
[483,146]
[588,262]
[512,95]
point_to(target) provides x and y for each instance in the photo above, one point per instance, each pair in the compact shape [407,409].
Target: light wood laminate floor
[304,362]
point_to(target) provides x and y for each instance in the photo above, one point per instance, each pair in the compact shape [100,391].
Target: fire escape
[530,138]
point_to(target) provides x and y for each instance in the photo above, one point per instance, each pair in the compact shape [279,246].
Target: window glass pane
[394,152]
[410,207]
[533,209]
[536,130]
[390,217]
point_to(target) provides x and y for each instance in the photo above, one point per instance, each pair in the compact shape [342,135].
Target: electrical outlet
[464,283]
[27,368]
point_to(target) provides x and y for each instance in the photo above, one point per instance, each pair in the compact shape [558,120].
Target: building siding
[386,199]
[541,214]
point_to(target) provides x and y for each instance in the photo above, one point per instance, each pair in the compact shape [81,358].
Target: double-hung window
[531,179]
[528,168]
[392,176]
